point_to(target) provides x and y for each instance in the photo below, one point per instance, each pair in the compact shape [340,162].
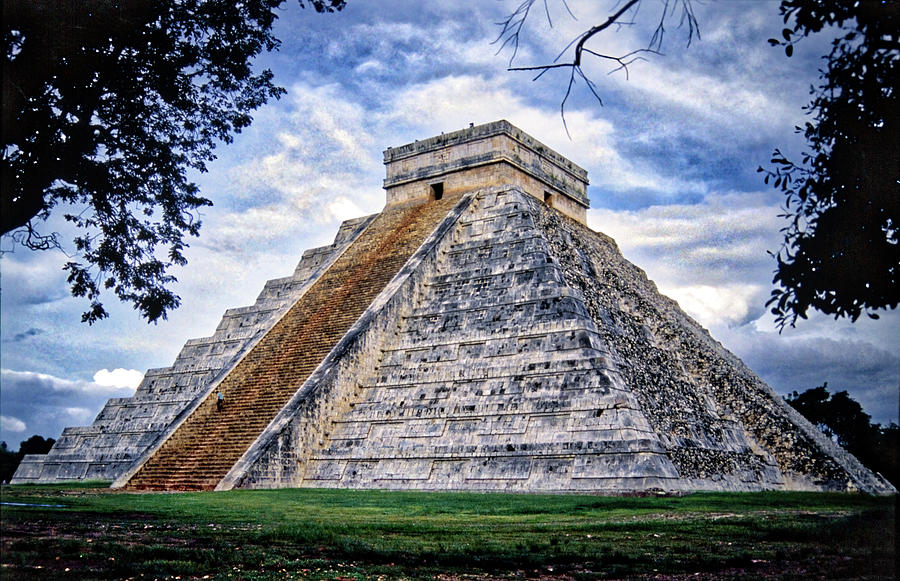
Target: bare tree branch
[512,27]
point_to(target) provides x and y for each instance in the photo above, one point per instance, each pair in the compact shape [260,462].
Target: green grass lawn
[90,532]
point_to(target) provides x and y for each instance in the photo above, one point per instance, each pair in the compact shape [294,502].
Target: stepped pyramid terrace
[474,335]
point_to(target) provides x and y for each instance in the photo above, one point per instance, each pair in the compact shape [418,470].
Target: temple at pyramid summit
[474,335]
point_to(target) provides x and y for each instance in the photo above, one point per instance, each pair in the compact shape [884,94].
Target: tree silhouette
[9,460]
[842,419]
[106,107]
[841,251]
[36,445]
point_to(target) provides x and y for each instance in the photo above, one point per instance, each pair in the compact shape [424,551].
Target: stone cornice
[542,155]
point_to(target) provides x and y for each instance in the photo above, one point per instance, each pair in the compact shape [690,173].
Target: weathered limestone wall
[695,393]
[199,450]
[522,352]
[125,427]
[515,350]
[488,155]
[495,381]
[278,457]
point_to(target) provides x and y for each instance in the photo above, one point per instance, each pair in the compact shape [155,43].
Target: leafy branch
[841,249]
[107,107]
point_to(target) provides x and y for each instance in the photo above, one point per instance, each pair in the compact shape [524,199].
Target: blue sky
[672,158]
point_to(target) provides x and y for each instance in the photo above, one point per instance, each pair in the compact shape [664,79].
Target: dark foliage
[841,254]
[10,460]
[36,445]
[842,419]
[106,107]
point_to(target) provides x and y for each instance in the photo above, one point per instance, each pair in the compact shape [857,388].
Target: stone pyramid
[474,335]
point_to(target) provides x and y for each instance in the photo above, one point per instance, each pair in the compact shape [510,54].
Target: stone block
[501,345]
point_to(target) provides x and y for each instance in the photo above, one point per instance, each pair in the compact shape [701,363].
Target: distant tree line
[10,460]
[842,419]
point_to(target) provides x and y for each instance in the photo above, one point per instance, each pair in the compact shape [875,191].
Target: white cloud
[727,304]
[343,208]
[49,383]
[709,256]
[719,242]
[10,424]
[452,102]
[32,278]
[45,404]
[369,66]
[119,377]
[323,149]
[407,49]
[725,105]
[80,415]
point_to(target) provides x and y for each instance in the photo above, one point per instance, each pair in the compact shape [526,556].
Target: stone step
[209,442]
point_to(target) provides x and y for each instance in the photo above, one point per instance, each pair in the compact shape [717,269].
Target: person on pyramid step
[220,401]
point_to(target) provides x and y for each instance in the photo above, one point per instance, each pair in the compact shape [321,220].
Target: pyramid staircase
[483,340]
[201,451]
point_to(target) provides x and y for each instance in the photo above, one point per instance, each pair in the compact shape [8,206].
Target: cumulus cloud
[709,256]
[46,404]
[111,383]
[869,372]
[11,424]
[80,415]
[119,378]
[322,150]
[727,304]
[343,208]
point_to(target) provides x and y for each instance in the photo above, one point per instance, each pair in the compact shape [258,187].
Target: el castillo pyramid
[474,335]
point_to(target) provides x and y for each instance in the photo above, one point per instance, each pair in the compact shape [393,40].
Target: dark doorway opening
[437,191]
[548,199]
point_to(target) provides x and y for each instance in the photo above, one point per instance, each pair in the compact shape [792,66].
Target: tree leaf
[187,84]
[839,259]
